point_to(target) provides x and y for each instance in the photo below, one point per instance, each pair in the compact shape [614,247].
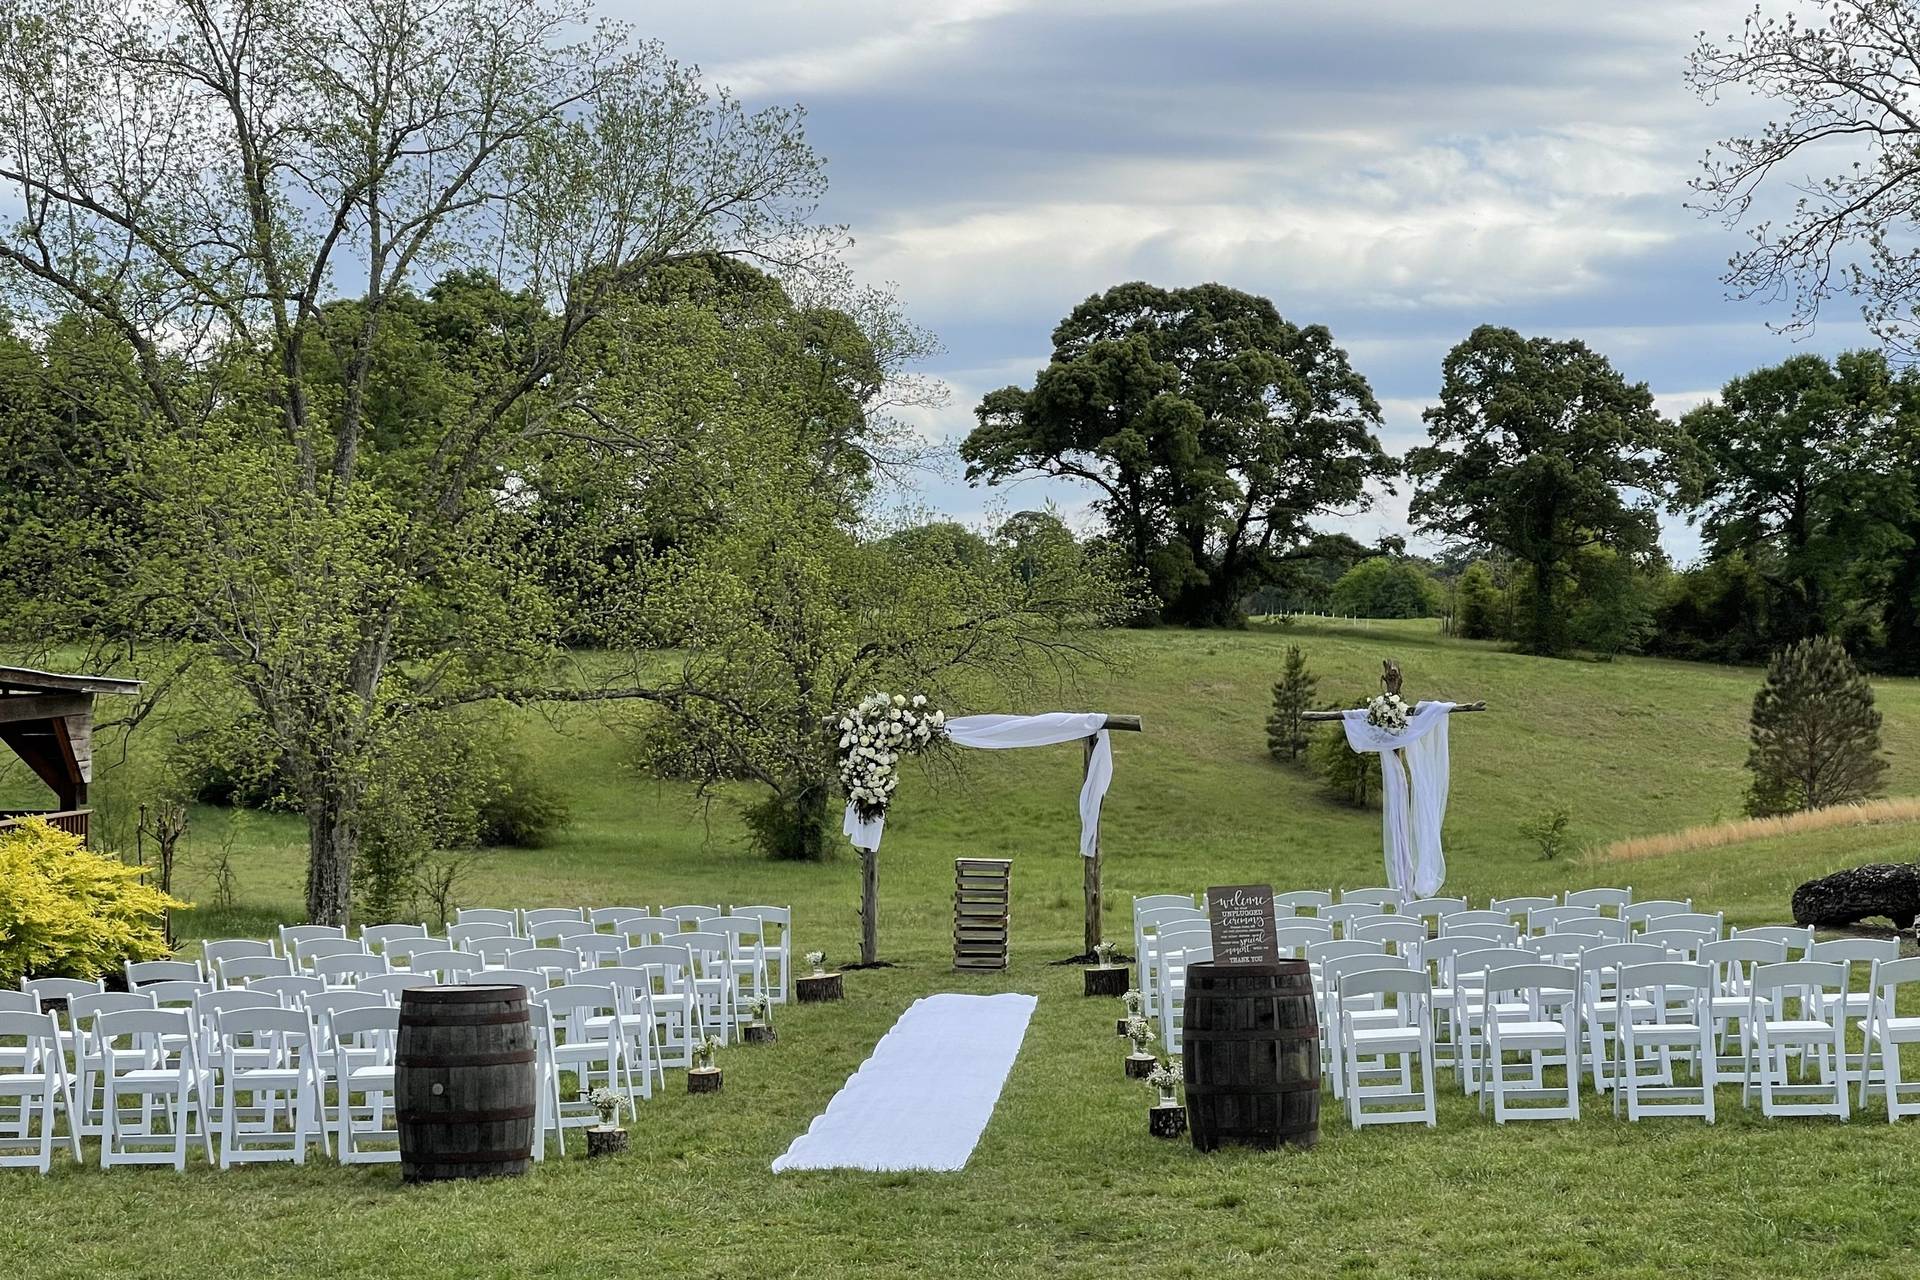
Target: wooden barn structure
[47,719]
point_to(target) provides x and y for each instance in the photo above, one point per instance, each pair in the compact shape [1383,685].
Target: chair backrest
[627,981]
[292,935]
[363,1029]
[1796,937]
[284,1033]
[547,915]
[1600,898]
[328,1004]
[390,985]
[238,969]
[1479,961]
[1402,934]
[558,932]
[532,979]
[1638,911]
[1458,918]
[1685,942]
[487,915]
[1812,981]
[82,1011]
[1304,900]
[1889,974]
[1666,977]
[707,947]
[1437,954]
[1153,901]
[1542,984]
[1385,980]
[40,1034]
[1706,921]
[595,949]
[688,913]
[290,990]
[141,972]
[1154,917]
[1516,909]
[150,1025]
[1299,931]
[1342,913]
[444,963]
[375,937]
[1503,931]
[215,1003]
[18,1001]
[547,960]
[180,992]
[1386,899]
[1610,958]
[1338,968]
[578,1000]
[1319,953]
[1855,950]
[305,953]
[780,917]
[1547,919]
[61,988]
[232,949]
[344,968]
[616,916]
[649,928]
[1744,952]
[495,948]
[1610,928]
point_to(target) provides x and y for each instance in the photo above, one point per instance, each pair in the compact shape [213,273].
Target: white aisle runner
[924,1097]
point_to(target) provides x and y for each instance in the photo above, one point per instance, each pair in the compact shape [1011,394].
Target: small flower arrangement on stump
[1140,1035]
[817,961]
[606,1138]
[1165,1077]
[704,1077]
[874,734]
[759,1028]
[1135,1005]
[1104,977]
[1167,1118]
[607,1102]
[703,1050]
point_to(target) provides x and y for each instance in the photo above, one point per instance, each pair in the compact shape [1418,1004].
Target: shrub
[67,912]
[1548,830]
[1478,606]
[1386,587]
[1352,776]
[524,810]
[1292,695]
[1815,737]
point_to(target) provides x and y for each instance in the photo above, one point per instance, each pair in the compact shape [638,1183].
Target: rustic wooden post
[869,906]
[1090,872]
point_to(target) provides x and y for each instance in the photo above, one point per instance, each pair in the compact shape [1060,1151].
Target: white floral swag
[874,736]
[1389,713]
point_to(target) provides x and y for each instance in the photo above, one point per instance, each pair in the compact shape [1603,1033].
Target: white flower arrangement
[760,1009]
[817,961]
[1139,1032]
[607,1102]
[1103,952]
[1165,1077]
[1134,1002]
[874,735]
[703,1051]
[1389,712]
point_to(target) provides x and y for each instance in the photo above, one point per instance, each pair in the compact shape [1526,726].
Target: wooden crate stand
[980,912]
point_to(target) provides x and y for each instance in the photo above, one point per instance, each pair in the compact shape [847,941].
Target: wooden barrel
[1251,1050]
[464,1087]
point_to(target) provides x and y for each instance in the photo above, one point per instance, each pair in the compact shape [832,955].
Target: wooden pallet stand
[980,901]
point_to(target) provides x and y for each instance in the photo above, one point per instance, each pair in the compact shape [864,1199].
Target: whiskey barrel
[464,1085]
[1251,1053]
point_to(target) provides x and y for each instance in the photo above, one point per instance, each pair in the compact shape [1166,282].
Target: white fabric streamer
[1000,733]
[1411,815]
[924,1097]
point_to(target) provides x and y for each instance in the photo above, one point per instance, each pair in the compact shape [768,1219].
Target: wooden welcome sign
[1241,919]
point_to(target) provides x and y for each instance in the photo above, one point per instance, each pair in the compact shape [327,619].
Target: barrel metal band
[472,1157]
[509,1059]
[466,1019]
[410,1116]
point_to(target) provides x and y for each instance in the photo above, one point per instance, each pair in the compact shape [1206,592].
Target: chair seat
[265,1078]
[377,1079]
[150,1080]
[1798,1026]
[13,1084]
[1516,1031]
[1384,1038]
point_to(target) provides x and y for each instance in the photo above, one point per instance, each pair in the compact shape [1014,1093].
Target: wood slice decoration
[1107,979]
[758,1033]
[1166,1122]
[815,987]
[704,1080]
[1140,1065]
[605,1140]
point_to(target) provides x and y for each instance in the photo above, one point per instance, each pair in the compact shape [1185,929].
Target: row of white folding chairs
[187,1068]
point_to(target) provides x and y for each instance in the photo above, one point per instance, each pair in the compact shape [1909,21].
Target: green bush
[1387,587]
[524,810]
[66,912]
[1351,776]
[1548,830]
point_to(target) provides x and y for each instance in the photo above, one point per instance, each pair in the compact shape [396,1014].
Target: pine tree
[1292,695]
[1815,735]
[1351,776]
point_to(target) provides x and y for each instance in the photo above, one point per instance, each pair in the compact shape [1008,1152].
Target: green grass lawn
[1065,1181]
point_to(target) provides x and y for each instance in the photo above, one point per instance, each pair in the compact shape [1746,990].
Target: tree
[1292,697]
[1843,147]
[1539,448]
[1386,587]
[1352,777]
[1815,734]
[1795,466]
[1478,608]
[246,199]
[1213,429]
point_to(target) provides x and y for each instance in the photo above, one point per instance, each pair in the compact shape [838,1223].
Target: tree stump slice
[1167,1122]
[818,987]
[605,1140]
[758,1033]
[1890,889]
[1107,979]
[1140,1065]
[704,1080]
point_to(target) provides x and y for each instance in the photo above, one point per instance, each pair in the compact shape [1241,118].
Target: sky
[1398,170]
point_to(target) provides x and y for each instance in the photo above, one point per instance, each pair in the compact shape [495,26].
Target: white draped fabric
[1413,793]
[1000,733]
[923,1098]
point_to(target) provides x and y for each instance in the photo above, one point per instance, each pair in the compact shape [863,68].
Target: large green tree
[1540,448]
[1796,469]
[246,197]
[1213,429]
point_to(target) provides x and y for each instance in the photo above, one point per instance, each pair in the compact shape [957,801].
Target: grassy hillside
[1065,1182]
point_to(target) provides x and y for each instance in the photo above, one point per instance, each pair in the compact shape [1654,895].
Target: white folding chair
[1548,919]
[1666,1007]
[636,1023]
[493,950]
[1797,1005]
[1600,1000]
[462,936]
[547,915]
[376,937]
[595,949]
[1733,961]
[1366,1013]
[689,913]
[1549,1028]
[1386,900]
[39,1075]
[1796,938]
[558,963]
[290,991]
[602,917]
[1431,910]
[1681,944]
[1146,941]
[776,939]
[488,915]
[137,1062]
[349,970]
[239,971]
[390,985]
[361,1045]
[141,972]
[1407,1034]
[1473,1005]
[1710,923]
[1859,955]
[559,933]
[1300,932]
[1402,936]
[293,936]
[306,952]
[88,1064]
[673,1001]
[1603,928]
[1304,901]
[1652,908]
[213,952]
[266,1056]
[1886,1029]
[1517,909]
[447,966]
[574,1034]
[1343,914]
[1599,899]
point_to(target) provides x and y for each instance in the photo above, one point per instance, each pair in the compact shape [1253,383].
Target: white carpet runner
[924,1097]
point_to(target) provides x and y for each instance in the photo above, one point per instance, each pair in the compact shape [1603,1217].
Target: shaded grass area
[1066,1181]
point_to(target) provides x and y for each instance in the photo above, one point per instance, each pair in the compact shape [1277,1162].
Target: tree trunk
[1544,622]
[869,906]
[333,839]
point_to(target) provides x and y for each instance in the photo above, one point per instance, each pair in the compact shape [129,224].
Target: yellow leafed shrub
[66,912]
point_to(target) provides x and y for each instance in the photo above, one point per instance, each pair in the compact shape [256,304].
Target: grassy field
[1065,1181]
